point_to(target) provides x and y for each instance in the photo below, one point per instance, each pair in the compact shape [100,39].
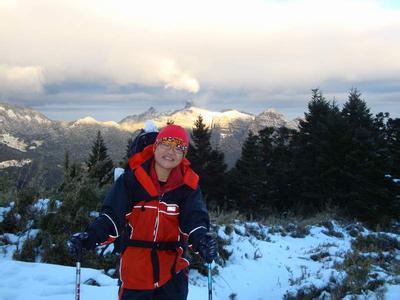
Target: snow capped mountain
[11,113]
[151,113]
[26,134]
[91,121]
[269,118]
[184,117]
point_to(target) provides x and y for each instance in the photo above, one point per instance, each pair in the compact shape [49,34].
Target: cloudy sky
[111,58]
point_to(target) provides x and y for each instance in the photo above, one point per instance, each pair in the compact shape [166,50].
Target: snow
[11,114]
[266,263]
[92,121]
[42,205]
[13,142]
[35,144]
[34,281]
[3,211]
[14,163]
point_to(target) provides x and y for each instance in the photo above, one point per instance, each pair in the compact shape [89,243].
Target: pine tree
[100,165]
[124,160]
[208,164]
[215,179]
[318,154]
[66,163]
[245,177]
[393,143]
[279,193]
[199,154]
[266,149]
[369,194]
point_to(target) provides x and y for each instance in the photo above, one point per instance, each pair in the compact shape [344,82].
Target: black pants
[174,289]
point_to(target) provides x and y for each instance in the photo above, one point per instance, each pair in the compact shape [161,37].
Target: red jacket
[155,220]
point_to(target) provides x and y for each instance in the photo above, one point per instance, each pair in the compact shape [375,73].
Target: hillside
[283,259]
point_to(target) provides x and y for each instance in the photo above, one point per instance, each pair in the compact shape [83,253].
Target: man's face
[168,155]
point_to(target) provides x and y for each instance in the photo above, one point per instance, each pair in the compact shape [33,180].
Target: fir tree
[215,179]
[200,152]
[66,162]
[266,172]
[369,197]
[318,151]
[393,143]
[245,177]
[123,162]
[208,164]
[100,165]
[279,194]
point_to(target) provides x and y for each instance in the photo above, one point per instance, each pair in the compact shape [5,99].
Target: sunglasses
[172,143]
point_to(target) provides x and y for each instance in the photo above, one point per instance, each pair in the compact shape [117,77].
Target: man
[156,205]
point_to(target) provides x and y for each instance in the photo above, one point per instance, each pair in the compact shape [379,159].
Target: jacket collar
[142,164]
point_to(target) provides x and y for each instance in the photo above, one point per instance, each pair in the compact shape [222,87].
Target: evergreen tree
[265,144]
[66,162]
[200,152]
[208,164]
[124,160]
[279,193]
[215,179]
[319,152]
[100,165]
[393,143]
[245,177]
[369,193]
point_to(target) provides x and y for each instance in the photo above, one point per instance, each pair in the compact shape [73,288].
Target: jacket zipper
[157,218]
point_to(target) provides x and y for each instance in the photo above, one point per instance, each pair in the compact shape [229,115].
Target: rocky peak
[189,104]
[151,113]
[17,114]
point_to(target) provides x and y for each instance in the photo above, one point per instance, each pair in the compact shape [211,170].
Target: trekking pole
[79,236]
[78,275]
[209,282]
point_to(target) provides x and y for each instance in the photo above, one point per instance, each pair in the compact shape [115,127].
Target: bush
[29,251]
[376,243]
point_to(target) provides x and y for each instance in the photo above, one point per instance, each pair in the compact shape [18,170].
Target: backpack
[141,141]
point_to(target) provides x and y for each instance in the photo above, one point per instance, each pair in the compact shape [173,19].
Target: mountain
[128,122]
[29,138]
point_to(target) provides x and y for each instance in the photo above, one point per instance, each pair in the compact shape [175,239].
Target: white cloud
[177,79]
[21,80]
[182,44]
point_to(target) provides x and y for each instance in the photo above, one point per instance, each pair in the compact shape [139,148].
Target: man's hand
[208,248]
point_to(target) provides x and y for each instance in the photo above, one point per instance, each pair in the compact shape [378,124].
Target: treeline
[343,159]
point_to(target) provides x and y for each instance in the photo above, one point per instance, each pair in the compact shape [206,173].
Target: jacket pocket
[143,220]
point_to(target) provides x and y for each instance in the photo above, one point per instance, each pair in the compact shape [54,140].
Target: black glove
[207,248]
[81,240]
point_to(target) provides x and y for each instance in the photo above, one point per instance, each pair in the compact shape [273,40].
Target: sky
[112,58]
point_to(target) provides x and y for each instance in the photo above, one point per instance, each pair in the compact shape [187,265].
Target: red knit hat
[174,132]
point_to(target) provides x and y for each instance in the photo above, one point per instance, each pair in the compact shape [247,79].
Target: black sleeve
[115,206]
[194,218]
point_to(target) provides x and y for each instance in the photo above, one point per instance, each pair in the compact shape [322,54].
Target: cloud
[21,80]
[178,79]
[261,45]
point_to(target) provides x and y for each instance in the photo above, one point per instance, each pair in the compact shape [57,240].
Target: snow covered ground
[266,263]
